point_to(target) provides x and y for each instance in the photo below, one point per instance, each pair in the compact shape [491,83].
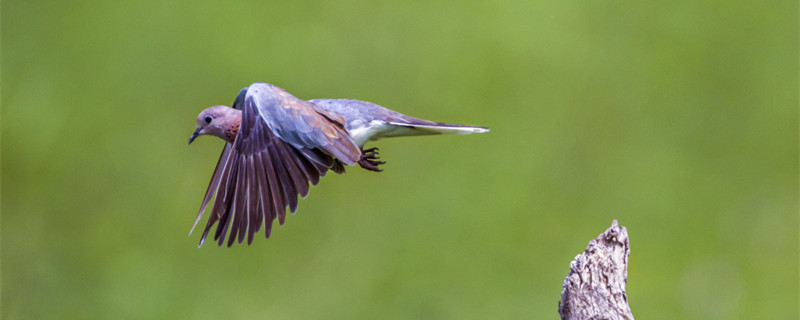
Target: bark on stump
[595,286]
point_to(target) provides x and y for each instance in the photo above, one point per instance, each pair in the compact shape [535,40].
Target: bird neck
[230,133]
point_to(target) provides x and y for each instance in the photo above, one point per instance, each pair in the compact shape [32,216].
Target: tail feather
[441,128]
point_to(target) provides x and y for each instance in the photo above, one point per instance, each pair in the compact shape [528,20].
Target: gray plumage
[367,121]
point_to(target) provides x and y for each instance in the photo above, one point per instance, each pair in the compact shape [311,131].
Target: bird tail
[423,127]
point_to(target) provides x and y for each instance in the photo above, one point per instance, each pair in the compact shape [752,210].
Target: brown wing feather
[257,179]
[212,186]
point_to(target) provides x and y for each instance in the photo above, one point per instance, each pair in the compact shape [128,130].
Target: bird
[276,144]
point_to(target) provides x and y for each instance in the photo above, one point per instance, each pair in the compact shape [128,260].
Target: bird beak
[194,135]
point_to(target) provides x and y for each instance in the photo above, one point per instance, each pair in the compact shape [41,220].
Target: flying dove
[277,144]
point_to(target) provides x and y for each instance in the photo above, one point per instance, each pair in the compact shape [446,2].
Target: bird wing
[301,123]
[268,166]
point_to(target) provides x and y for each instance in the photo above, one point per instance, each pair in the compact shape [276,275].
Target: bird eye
[208,119]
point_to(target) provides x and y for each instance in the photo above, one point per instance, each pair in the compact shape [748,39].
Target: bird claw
[369,160]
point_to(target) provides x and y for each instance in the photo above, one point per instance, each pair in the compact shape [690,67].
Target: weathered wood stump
[595,286]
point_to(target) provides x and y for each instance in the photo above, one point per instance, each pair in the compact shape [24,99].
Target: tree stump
[595,286]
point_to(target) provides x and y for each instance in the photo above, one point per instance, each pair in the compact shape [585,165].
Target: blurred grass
[677,118]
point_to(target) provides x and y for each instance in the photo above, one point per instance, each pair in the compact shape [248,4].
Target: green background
[678,118]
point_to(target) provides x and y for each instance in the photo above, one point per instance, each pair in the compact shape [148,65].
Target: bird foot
[369,160]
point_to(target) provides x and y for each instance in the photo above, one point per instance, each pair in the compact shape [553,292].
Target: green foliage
[677,118]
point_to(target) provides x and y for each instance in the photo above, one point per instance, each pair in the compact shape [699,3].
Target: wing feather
[212,186]
[219,202]
[298,180]
[308,167]
[288,188]
[253,206]
[240,214]
[226,205]
[264,195]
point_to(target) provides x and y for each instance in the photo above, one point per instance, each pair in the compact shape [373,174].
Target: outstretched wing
[268,166]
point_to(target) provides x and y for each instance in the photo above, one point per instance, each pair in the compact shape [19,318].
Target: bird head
[220,121]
